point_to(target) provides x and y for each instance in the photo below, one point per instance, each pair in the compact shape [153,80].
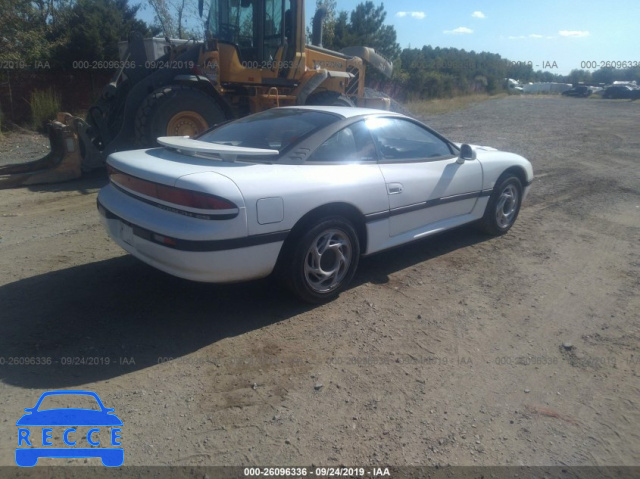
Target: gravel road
[459,349]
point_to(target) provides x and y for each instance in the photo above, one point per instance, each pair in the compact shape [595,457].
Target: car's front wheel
[323,260]
[504,205]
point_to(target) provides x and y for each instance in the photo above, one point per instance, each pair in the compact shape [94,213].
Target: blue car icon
[71,417]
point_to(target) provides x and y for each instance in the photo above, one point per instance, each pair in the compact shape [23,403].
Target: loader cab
[264,33]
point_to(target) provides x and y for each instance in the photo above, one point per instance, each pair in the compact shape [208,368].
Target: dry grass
[447,105]
[44,106]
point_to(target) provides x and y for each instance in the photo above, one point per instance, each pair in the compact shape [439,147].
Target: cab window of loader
[273,28]
[256,27]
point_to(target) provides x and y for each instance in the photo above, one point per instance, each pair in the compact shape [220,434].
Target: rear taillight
[169,194]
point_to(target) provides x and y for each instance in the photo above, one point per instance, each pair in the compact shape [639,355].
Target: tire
[329,98]
[322,262]
[503,207]
[175,110]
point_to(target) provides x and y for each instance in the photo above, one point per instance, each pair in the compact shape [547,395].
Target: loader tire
[329,98]
[175,110]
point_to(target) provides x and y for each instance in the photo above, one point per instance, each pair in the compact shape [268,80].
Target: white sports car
[302,191]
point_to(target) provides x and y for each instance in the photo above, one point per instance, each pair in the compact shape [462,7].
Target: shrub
[44,106]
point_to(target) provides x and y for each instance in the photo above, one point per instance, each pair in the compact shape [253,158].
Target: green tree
[328,27]
[93,29]
[340,32]
[547,76]
[366,27]
[608,75]
[579,76]
[26,29]
[519,71]
[174,17]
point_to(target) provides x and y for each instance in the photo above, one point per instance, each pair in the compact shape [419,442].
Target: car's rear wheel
[323,260]
[504,205]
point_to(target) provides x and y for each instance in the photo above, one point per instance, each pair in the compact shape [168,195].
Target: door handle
[394,188]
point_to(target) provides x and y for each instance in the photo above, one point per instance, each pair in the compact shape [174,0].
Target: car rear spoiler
[224,152]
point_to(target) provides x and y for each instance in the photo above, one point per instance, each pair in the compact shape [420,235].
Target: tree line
[58,32]
[434,72]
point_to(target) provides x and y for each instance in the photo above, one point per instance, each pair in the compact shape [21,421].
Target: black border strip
[198,245]
[286,471]
[426,204]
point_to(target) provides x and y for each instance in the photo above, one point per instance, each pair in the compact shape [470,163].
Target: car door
[425,183]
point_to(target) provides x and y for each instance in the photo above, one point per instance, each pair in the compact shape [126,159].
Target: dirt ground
[20,146]
[459,349]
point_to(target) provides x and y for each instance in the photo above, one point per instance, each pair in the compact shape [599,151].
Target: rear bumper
[212,261]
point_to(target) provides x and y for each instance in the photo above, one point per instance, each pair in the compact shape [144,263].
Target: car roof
[343,111]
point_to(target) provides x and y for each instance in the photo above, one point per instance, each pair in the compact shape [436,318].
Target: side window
[400,139]
[351,144]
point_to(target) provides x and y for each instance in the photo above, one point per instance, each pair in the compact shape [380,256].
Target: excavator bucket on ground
[62,163]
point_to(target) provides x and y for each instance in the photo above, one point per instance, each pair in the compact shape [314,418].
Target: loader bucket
[62,163]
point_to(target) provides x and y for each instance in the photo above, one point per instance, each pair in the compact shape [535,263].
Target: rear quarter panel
[306,187]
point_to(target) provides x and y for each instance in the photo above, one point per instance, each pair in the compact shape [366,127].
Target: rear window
[271,129]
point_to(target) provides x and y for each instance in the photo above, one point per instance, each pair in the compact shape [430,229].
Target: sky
[554,35]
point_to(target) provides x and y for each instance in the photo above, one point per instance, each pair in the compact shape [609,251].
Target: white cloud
[573,33]
[459,31]
[416,15]
[478,14]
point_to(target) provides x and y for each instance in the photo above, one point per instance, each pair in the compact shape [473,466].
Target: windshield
[271,129]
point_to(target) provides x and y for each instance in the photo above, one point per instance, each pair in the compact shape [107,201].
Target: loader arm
[373,58]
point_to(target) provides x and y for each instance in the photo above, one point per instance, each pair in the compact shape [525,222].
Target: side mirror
[466,153]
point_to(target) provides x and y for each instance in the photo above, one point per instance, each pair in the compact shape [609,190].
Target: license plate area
[126,233]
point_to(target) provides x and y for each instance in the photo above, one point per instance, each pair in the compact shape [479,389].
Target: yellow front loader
[255,56]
